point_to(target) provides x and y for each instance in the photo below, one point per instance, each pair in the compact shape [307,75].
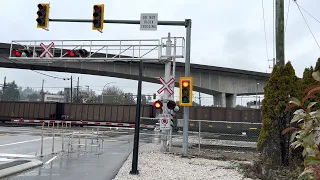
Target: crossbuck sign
[166,86]
[47,50]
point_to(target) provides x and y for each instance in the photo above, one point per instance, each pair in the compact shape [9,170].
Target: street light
[103,89]
[257,96]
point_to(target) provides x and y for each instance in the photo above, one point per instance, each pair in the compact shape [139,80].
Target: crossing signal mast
[43,16]
[98,17]
[185,92]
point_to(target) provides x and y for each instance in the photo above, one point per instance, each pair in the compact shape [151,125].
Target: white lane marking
[17,155]
[21,142]
[50,160]
[5,159]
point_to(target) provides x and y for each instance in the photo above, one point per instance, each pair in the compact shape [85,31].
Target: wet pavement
[82,162]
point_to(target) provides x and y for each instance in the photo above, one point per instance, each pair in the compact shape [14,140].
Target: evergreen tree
[282,84]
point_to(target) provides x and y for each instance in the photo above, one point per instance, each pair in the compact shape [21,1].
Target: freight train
[212,119]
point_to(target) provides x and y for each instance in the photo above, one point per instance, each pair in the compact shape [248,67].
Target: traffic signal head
[43,16]
[185,94]
[154,96]
[157,104]
[98,17]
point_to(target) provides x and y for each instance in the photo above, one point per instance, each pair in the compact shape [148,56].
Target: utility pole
[280,59]
[42,93]
[78,90]
[71,90]
[3,88]
[199,99]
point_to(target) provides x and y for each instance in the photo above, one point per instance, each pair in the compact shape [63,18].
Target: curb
[19,168]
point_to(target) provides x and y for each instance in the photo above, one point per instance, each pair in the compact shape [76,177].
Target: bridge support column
[231,100]
[220,100]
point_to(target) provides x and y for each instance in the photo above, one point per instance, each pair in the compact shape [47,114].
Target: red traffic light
[185,84]
[17,53]
[157,104]
[96,8]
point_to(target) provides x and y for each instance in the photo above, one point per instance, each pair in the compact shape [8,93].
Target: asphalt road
[82,163]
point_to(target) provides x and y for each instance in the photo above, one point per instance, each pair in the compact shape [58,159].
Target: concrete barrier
[17,166]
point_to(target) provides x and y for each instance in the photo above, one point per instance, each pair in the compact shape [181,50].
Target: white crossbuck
[166,85]
[47,50]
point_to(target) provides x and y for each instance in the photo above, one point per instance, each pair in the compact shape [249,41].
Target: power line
[307,25]
[265,32]
[306,11]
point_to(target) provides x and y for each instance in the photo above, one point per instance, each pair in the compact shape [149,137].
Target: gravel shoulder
[153,164]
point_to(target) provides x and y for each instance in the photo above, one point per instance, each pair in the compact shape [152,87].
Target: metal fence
[213,137]
[86,140]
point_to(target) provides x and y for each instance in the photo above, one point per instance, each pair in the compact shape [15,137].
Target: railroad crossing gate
[165,121]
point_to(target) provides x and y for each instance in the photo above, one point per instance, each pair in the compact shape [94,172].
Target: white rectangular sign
[165,121]
[148,21]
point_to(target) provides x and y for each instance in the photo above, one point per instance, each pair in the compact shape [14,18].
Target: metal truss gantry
[97,50]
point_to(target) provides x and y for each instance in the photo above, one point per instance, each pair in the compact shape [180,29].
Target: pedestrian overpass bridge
[223,83]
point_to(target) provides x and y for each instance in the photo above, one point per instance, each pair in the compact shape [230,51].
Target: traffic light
[98,17]
[157,104]
[154,96]
[185,93]
[171,105]
[43,16]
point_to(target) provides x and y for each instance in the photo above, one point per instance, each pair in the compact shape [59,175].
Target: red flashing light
[157,104]
[71,53]
[16,53]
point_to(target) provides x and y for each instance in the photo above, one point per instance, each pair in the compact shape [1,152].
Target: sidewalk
[152,164]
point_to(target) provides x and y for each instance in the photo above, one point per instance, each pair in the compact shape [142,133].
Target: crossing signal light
[171,105]
[157,104]
[17,53]
[80,52]
[71,53]
[185,93]
[43,16]
[98,17]
[83,52]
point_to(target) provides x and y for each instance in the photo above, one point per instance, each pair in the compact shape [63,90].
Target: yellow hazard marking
[253,128]
[210,126]
[191,124]
[229,127]
[2,134]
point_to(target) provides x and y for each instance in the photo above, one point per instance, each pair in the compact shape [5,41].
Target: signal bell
[157,104]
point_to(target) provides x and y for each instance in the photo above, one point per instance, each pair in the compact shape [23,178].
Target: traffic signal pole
[187,73]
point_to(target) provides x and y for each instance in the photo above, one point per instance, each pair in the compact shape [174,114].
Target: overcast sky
[227,33]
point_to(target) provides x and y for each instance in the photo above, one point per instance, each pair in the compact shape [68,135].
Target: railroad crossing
[147,22]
